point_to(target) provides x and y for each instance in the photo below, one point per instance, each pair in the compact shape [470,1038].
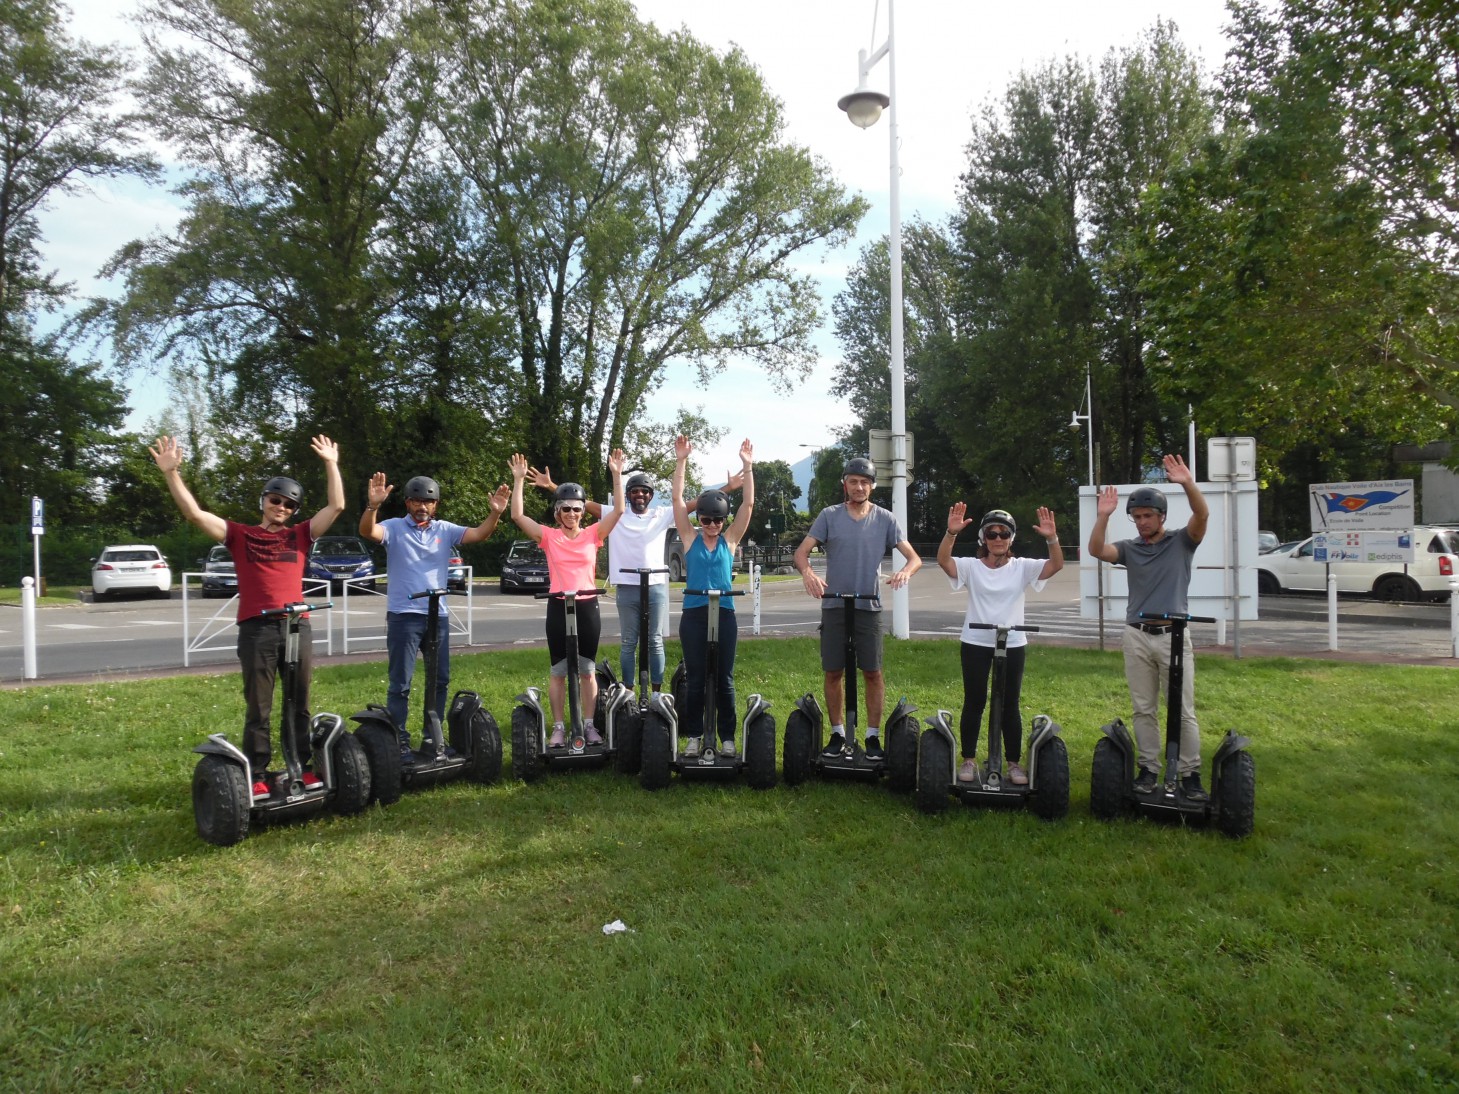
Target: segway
[475,748]
[754,756]
[224,804]
[804,730]
[617,708]
[1231,805]
[1047,792]
[530,721]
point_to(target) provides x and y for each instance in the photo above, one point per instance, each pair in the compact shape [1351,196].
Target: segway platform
[1047,790]
[660,753]
[805,755]
[530,755]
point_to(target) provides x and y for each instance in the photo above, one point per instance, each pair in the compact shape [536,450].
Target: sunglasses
[997,533]
[569,508]
[711,520]
[288,503]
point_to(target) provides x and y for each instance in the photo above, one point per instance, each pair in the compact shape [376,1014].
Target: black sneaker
[837,745]
[1147,781]
[1191,787]
[407,756]
[873,747]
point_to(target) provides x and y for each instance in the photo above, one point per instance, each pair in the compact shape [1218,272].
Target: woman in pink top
[572,556]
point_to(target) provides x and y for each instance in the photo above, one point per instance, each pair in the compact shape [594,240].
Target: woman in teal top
[709,564]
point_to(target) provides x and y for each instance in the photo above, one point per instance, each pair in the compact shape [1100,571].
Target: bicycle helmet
[283,486]
[1146,497]
[860,465]
[566,493]
[639,481]
[996,516]
[423,488]
[713,503]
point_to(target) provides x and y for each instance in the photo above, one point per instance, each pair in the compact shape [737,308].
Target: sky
[951,58]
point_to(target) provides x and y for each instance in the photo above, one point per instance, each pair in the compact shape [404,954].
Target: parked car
[456,575]
[131,567]
[525,568]
[338,558]
[674,555]
[219,576]
[1436,554]
[1266,542]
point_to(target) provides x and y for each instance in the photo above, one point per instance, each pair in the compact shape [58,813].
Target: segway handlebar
[644,570]
[1174,616]
[721,592]
[430,592]
[1001,627]
[296,609]
[875,597]
[564,595]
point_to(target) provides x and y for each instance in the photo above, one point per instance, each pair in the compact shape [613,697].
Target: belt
[1151,628]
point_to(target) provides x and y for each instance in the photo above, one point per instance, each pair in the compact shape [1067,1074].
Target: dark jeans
[694,636]
[260,649]
[404,634]
[977,663]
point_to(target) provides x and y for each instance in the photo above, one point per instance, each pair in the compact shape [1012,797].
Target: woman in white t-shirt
[996,581]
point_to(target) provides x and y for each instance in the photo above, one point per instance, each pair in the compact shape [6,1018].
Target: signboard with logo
[1382,506]
[1395,547]
[37,516]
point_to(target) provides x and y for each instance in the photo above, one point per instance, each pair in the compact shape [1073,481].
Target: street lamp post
[864,106]
[1088,419]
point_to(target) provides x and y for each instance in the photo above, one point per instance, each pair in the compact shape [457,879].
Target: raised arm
[1047,528]
[957,520]
[375,494]
[1109,499]
[616,463]
[497,503]
[1177,472]
[530,528]
[168,454]
[682,449]
[747,506]
[543,481]
[323,520]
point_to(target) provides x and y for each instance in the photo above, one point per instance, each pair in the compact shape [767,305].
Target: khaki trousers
[1147,672]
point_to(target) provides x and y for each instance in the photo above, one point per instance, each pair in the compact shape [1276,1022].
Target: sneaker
[1017,775]
[1147,781]
[1192,788]
[873,747]
[312,781]
[968,772]
[261,788]
[594,737]
[558,738]
[727,748]
[836,747]
[692,746]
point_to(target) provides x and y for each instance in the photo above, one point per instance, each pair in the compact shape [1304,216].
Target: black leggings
[977,662]
[586,610]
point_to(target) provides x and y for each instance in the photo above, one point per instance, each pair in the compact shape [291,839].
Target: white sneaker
[691,747]
[727,748]
[1017,775]
[968,773]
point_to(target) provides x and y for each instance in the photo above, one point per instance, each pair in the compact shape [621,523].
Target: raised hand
[1109,501]
[541,479]
[519,467]
[378,490]
[682,447]
[957,517]
[499,500]
[325,449]
[168,453]
[747,453]
[1045,526]
[617,462]
[1176,471]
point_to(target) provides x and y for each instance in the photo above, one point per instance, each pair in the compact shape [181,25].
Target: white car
[1435,553]
[133,567]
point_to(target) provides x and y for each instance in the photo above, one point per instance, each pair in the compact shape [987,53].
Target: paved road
[136,637]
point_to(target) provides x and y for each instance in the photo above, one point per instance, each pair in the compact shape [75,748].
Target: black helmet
[997,516]
[285,487]
[1146,497]
[569,492]
[423,488]
[713,503]
[860,465]
[639,481]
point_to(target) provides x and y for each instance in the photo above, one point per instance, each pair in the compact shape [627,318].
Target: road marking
[154,622]
[75,627]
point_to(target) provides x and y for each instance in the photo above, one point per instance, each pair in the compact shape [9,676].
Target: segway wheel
[657,751]
[1108,781]
[934,761]
[902,756]
[527,763]
[798,749]
[220,801]
[628,740]
[351,776]
[679,688]
[1236,795]
[382,752]
[760,752]
[486,747]
[1050,798]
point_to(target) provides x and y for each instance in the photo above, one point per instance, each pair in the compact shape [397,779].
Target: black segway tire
[351,776]
[486,747]
[657,752]
[1108,781]
[220,801]
[628,740]
[679,688]
[760,752]
[798,749]
[1236,795]
[382,752]
[902,756]
[1050,798]
[526,754]
[934,761]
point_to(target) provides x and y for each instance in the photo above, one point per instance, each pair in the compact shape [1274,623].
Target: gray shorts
[585,667]
[833,639]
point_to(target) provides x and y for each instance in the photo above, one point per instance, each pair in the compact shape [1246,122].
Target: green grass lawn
[57,596]
[828,937]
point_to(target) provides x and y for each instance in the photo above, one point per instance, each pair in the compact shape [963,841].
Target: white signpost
[1359,522]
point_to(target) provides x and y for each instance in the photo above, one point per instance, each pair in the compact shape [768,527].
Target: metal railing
[224,618]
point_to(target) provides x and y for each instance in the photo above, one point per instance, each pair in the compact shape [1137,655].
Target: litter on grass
[617,927]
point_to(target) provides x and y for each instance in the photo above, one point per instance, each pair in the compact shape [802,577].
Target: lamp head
[1074,421]
[864,106]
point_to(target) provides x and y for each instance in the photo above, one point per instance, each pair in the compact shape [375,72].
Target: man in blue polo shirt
[418,551]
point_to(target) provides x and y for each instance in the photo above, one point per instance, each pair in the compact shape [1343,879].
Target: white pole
[755,593]
[901,598]
[1191,413]
[1331,609]
[1454,617]
[27,626]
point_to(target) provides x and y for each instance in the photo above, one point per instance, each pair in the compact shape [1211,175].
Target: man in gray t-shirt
[1158,570]
[857,536]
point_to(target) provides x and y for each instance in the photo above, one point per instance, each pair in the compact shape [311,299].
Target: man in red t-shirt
[269,558]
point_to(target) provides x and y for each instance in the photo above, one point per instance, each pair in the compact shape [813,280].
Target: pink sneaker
[968,773]
[594,737]
[558,738]
[1017,775]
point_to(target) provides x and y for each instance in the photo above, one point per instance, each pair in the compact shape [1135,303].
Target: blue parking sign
[37,516]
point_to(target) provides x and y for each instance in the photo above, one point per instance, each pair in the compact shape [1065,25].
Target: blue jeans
[404,632]
[658,612]
[694,635]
